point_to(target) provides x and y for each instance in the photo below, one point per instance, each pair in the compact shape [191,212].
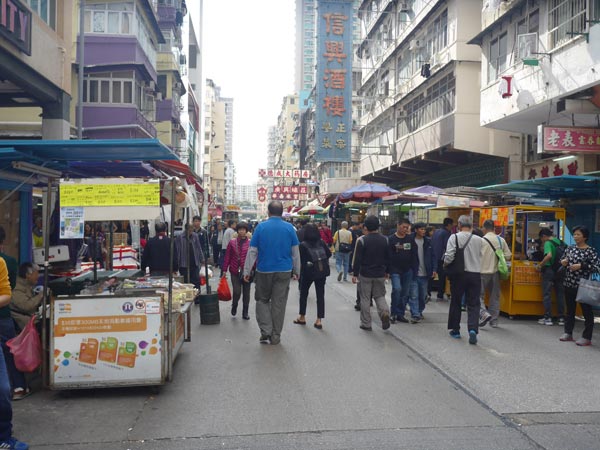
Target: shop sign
[15,24]
[568,139]
[501,216]
[283,173]
[333,109]
[447,201]
[549,168]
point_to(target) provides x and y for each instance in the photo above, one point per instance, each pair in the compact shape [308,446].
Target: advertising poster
[106,341]
[71,223]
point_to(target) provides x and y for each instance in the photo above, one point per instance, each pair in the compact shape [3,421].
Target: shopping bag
[26,348]
[223,291]
[588,292]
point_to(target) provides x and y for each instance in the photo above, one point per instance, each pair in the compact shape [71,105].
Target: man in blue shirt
[439,241]
[275,249]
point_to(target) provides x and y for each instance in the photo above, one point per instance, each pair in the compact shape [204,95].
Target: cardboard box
[57,253]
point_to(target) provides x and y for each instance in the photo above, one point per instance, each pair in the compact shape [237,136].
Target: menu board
[135,194]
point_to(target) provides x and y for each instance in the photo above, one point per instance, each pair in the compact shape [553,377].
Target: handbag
[345,247]
[588,291]
[26,348]
[223,291]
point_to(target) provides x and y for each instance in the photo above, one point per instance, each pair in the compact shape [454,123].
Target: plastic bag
[223,291]
[26,348]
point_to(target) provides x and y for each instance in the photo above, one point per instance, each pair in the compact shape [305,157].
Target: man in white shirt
[227,236]
[490,279]
[468,282]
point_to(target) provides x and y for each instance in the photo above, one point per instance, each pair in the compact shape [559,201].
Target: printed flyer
[106,340]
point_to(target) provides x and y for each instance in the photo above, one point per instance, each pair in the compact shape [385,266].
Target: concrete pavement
[411,387]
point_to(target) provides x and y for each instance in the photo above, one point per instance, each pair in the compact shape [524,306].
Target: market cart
[521,294]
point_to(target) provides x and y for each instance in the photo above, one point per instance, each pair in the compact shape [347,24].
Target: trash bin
[209,309]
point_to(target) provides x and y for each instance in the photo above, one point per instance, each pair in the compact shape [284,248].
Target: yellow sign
[140,194]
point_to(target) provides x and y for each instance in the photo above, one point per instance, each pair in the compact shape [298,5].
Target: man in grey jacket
[467,283]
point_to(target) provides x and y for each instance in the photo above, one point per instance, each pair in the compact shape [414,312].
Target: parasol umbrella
[311,210]
[366,192]
[423,191]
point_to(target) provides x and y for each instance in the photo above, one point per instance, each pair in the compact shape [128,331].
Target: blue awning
[553,188]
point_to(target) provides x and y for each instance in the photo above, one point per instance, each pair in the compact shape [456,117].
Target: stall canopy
[181,170]
[553,188]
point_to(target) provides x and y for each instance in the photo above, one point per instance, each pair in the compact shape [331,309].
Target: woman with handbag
[235,258]
[580,261]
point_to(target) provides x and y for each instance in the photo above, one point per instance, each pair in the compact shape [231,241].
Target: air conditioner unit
[415,44]
[404,7]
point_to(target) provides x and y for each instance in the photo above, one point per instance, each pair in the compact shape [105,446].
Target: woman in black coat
[314,258]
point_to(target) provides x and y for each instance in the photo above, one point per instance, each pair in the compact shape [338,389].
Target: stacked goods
[125,257]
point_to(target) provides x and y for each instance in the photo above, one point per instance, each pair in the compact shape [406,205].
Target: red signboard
[568,139]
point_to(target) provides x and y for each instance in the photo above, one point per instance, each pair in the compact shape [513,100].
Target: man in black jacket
[202,234]
[371,267]
[156,252]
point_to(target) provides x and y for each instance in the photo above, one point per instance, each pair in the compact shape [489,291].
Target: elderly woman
[25,301]
[580,261]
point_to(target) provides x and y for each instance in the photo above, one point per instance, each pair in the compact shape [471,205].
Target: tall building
[246,193]
[420,119]
[306,50]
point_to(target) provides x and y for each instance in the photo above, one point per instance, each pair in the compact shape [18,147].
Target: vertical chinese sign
[334,81]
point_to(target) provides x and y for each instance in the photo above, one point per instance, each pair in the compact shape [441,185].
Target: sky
[249,52]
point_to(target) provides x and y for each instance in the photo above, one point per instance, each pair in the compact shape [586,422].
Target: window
[109,88]
[109,18]
[497,56]
[46,9]
[566,18]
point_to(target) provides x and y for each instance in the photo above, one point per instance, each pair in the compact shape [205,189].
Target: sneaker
[472,337]
[494,323]
[455,334]
[484,319]
[340,275]
[545,321]
[582,342]
[427,299]
[233,311]
[566,337]
[415,320]
[366,328]
[401,319]
[561,321]
[385,321]
[20,394]
[264,339]
[13,444]
[275,340]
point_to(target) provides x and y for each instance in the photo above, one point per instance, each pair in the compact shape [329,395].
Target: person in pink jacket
[235,257]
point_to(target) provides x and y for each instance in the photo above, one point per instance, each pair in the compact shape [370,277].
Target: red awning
[181,170]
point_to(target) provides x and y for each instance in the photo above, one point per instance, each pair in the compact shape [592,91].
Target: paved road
[341,388]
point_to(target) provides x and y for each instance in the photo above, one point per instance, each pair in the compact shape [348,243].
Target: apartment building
[246,193]
[420,118]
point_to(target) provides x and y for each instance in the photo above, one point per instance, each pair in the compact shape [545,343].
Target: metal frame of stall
[167,331]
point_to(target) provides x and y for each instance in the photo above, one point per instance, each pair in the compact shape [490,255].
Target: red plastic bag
[26,348]
[223,291]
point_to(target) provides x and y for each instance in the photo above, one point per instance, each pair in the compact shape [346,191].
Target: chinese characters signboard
[334,81]
[283,173]
[568,139]
[289,192]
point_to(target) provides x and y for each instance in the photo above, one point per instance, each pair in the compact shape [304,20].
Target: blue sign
[333,127]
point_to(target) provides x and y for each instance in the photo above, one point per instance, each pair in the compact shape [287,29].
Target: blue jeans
[5,403]
[7,331]
[401,294]
[342,260]
[419,291]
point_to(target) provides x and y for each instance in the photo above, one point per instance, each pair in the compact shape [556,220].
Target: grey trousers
[491,282]
[371,288]
[271,294]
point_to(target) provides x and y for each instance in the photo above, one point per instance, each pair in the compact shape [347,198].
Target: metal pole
[170,292]
[46,231]
[80,75]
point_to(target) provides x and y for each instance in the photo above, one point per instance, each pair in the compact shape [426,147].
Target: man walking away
[549,267]
[371,266]
[342,239]
[227,236]
[157,251]
[426,268]
[490,279]
[404,265]
[274,246]
[357,232]
[189,255]
[439,241]
[467,283]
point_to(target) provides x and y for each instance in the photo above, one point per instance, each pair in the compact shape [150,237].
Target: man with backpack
[490,277]
[554,250]
[342,240]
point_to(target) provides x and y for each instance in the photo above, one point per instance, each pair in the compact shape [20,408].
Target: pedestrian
[325,232]
[468,281]
[227,236]
[342,241]
[300,231]
[550,278]
[274,249]
[439,242]
[357,232]
[372,267]
[490,278]
[156,253]
[202,234]
[427,268]
[580,261]
[37,234]
[404,266]
[25,299]
[11,263]
[314,268]
[233,262]
[189,256]
[7,440]
[216,241]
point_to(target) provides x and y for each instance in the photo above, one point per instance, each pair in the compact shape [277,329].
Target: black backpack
[559,252]
[317,266]
[457,266]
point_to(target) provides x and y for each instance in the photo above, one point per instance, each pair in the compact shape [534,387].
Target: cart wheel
[511,317]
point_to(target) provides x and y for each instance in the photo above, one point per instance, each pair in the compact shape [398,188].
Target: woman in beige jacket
[25,301]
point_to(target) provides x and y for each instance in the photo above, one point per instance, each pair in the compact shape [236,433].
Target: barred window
[566,18]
